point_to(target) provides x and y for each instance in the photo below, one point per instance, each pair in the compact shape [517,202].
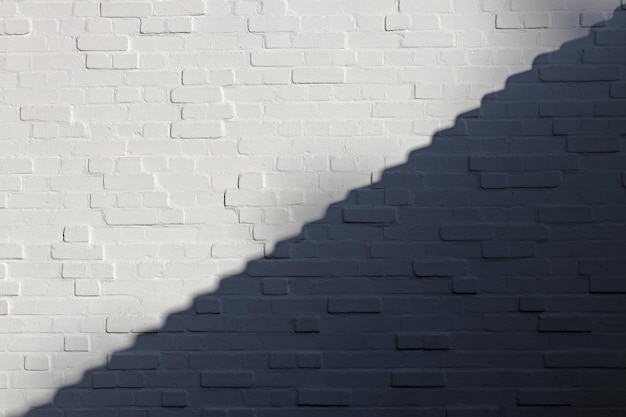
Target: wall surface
[272,208]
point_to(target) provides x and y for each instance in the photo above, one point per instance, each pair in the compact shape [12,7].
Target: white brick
[273,23]
[102,43]
[397,22]
[46,113]
[509,20]
[429,39]
[540,20]
[235,250]
[319,40]
[36,363]
[17,26]
[197,130]
[15,166]
[179,7]
[86,288]
[76,251]
[127,95]
[22,44]
[134,217]
[76,234]
[146,112]
[276,59]
[318,75]
[196,95]
[8,9]
[128,182]
[156,43]
[125,9]
[125,61]
[75,183]
[179,25]
[76,343]
[436,6]
[210,111]
[9,251]
[153,25]
[86,9]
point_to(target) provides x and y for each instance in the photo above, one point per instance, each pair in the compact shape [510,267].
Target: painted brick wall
[268,208]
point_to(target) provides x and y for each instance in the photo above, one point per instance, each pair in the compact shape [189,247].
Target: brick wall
[224,208]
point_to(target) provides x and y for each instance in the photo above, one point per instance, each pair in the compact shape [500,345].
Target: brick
[10,251]
[559,73]
[125,9]
[607,284]
[397,22]
[216,379]
[593,144]
[546,179]
[496,163]
[422,341]
[429,39]
[131,216]
[501,250]
[278,59]
[368,215]
[87,288]
[319,40]
[465,285]
[180,25]
[610,37]
[46,113]
[140,361]
[440,268]
[565,324]
[564,215]
[76,234]
[311,75]
[36,363]
[589,359]
[532,303]
[318,397]
[76,251]
[509,20]
[197,130]
[208,306]
[128,182]
[309,360]
[177,398]
[180,8]
[273,23]
[418,379]
[17,26]
[354,305]
[275,287]
[306,325]
[196,95]
[76,343]
[102,43]
[544,397]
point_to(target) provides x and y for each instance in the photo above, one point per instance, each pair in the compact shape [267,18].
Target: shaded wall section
[486,276]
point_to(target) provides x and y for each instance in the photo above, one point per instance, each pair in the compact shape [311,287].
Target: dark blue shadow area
[486,276]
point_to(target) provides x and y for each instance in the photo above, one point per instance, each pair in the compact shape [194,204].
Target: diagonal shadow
[486,276]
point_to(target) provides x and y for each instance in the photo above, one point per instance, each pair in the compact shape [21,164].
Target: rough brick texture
[312,208]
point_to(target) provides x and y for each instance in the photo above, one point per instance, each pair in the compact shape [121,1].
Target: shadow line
[486,276]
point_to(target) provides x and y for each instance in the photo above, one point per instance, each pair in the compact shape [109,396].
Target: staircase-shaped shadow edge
[485,276]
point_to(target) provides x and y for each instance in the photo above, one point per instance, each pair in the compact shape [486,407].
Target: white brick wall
[150,148]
